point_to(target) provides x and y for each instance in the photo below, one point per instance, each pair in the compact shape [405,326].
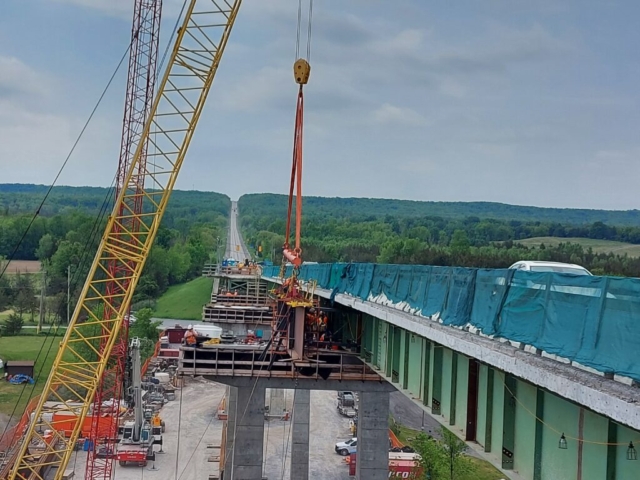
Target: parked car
[537,266]
[555,267]
[347,448]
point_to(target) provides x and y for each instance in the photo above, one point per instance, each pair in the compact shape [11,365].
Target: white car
[346,448]
[555,267]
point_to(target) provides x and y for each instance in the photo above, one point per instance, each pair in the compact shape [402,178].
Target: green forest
[68,230]
[355,230]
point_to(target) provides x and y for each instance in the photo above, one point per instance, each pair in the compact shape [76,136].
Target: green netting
[591,320]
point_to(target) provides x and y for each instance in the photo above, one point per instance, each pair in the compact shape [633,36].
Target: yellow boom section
[92,332]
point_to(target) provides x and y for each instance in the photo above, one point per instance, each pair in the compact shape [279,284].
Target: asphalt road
[236,247]
[407,413]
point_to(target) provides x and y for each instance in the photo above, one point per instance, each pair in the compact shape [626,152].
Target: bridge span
[510,362]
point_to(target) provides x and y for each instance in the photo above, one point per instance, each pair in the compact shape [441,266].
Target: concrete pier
[300,435]
[373,436]
[249,434]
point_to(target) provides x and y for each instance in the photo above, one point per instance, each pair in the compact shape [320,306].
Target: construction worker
[191,336]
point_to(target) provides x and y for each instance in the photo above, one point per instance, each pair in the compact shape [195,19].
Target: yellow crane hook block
[301,71]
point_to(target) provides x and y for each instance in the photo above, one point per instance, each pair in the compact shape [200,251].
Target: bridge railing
[594,321]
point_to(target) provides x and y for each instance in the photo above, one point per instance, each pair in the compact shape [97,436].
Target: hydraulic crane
[138,437]
[88,343]
[141,79]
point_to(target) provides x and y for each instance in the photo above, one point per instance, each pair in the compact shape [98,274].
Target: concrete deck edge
[607,397]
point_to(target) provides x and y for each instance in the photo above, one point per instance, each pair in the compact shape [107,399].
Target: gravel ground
[198,428]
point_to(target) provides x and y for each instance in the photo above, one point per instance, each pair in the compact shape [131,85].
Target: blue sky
[514,101]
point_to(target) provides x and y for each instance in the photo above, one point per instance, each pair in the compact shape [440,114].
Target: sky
[513,101]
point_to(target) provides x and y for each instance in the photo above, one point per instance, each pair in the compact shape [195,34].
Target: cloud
[390,114]
[114,8]
[17,78]
[123,9]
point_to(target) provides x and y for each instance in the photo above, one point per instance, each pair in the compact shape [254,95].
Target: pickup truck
[347,448]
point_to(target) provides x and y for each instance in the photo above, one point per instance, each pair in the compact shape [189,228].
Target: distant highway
[236,248]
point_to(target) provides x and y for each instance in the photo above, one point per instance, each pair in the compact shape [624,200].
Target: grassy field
[483,469]
[185,301]
[598,246]
[26,348]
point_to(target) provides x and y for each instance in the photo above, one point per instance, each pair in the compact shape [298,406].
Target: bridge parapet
[593,321]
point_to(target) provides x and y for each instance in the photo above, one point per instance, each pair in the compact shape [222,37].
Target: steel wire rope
[253,389]
[553,429]
[179,425]
[298,29]
[66,160]
[82,263]
[99,217]
[286,450]
[83,257]
[309,31]
[197,445]
[284,435]
[265,450]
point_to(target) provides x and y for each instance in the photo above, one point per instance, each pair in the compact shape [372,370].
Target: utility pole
[68,292]
[42,294]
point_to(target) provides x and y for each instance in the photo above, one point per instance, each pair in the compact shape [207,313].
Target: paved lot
[407,413]
[327,427]
[198,428]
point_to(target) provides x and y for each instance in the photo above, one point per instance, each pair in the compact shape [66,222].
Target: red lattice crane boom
[141,79]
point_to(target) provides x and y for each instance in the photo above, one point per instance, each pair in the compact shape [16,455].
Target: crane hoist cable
[301,71]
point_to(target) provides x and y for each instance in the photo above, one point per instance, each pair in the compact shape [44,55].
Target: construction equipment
[91,335]
[145,430]
[347,404]
[301,71]
[141,79]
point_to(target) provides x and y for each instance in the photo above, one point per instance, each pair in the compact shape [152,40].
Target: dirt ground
[23,266]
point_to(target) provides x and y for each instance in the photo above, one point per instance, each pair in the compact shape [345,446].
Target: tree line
[362,208]
[430,240]
[66,244]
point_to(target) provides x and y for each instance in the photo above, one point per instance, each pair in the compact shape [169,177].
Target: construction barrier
[587,319]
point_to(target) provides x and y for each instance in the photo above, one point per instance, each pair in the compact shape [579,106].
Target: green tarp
[591,320]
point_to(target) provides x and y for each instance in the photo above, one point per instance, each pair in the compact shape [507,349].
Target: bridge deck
[248,361]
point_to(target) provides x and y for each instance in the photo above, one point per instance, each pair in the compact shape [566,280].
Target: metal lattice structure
[141,80]
[98,316]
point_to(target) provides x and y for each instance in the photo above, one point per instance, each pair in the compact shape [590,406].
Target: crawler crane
[98,317]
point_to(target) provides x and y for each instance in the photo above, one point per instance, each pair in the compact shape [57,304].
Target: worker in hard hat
[191,336]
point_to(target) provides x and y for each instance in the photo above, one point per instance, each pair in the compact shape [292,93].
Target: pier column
[249,434]
[373,436]
[300,436]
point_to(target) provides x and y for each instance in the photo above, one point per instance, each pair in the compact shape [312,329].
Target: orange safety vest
[190,337]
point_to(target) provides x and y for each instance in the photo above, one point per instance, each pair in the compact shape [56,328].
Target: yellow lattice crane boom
[80,362]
